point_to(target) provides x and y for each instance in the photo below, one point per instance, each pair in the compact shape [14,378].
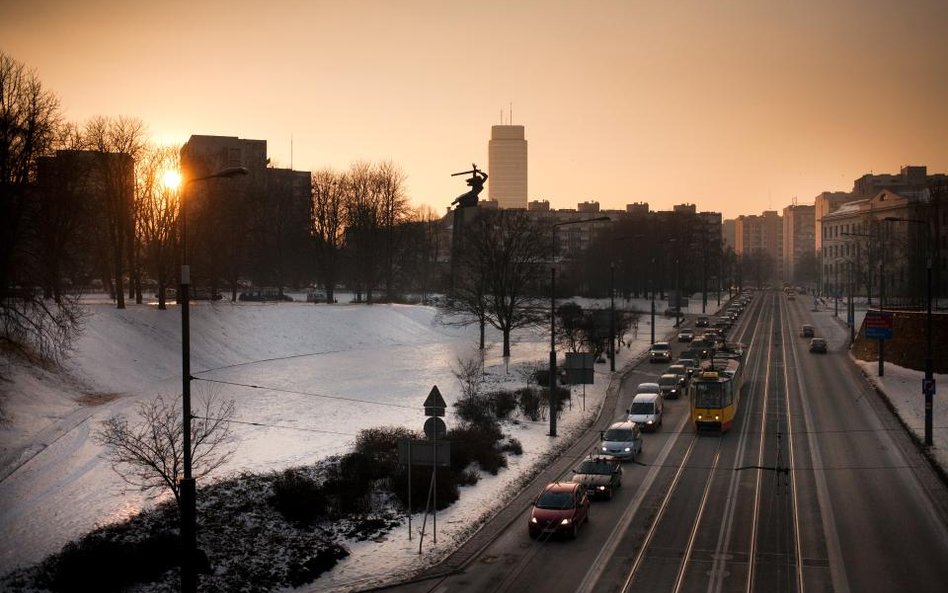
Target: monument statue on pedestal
[476,181]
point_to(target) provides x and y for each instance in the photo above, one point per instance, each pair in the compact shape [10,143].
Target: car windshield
[641,408]
[618,435]
[658,346]
[555,500]
[672,380]
[594,467]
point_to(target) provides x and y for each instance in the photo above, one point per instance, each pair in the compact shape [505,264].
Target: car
[660,352]
[680,371]
[600,474]
[818,345]
[671,385]
[691,365]
[791,296]
[686,335]
[622,440]
[646,410]
[648,387]
[561,507]
[806,331]
[702,321]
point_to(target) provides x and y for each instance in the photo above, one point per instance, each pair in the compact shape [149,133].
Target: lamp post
[612,316]
[651,285]
[188,486]
[928,383]
[551,380]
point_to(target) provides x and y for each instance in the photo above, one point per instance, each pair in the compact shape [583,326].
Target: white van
[622,440]
[646,410]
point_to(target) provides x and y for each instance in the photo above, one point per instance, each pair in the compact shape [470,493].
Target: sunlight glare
[171,179]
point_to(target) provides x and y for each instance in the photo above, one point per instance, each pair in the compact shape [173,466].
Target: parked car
[646,410]
[806,331]
[660,352]
[622,440]
[686,335]
[818,345]
[600,474]
[561,507]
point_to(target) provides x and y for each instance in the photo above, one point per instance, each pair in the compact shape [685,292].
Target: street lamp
[928,384]
[552,378]
[188,486]
[612,316]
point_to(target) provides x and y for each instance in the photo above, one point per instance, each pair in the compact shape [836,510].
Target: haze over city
[737,107]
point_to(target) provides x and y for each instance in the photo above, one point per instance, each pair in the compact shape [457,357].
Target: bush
[475,409]
[446,482]
[99,563]
[512,446]
[381,444]
[298,498]
[477,443]
[504,403]
[350,484]
[529,402]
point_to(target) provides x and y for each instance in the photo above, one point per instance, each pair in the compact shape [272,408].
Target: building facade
[799,241]
[507,166]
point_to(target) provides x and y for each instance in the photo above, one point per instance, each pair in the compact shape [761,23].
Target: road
[816,488]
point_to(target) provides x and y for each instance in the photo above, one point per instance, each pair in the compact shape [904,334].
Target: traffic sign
[435,428]
[878,325]
[434,405]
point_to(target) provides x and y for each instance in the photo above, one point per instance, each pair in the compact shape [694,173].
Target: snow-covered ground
[310,377]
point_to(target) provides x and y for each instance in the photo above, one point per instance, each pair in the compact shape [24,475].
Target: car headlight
[604,449]
[627,449]
[717,417]
[533,520]
[600,487]
[565,521]
[649,422]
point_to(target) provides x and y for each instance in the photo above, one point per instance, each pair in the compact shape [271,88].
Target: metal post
[882,297]
[929,385]
[552,378]
[188,486]
[612,316]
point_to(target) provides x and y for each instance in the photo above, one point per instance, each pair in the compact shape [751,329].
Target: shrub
[446,482]
[529,402]
[381,444]
[475,409]
[98,562]
[477,443]
[512,446]
[504,403]
[298,497]
[350,483]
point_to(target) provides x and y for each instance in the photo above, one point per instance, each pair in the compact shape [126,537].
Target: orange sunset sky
[738,106]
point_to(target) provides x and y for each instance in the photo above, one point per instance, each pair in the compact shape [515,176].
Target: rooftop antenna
[511,113]
[291,152]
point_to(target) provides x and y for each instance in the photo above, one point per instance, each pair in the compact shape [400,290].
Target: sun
[171,179]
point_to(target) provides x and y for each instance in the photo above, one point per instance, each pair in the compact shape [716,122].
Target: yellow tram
[714,395]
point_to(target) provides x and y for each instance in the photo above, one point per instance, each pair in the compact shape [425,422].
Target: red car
[561,508]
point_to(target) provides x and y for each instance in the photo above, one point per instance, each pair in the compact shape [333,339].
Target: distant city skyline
[737,108]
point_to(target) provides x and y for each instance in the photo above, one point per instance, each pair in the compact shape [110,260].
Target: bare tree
[393,212]
[157,205]
[498,272]
[362,229]
[117,144]
[29,123]
[149,453]
[327,223]
[470,376]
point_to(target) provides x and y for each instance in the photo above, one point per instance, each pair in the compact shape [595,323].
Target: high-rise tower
[507,166]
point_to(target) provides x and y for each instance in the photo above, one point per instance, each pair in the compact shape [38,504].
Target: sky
[737,106]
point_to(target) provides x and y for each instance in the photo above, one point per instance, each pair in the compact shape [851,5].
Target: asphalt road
[816,488]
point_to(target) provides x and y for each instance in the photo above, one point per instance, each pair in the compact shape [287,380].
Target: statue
[476,181]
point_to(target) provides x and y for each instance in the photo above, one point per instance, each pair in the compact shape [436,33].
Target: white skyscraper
[507,166]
